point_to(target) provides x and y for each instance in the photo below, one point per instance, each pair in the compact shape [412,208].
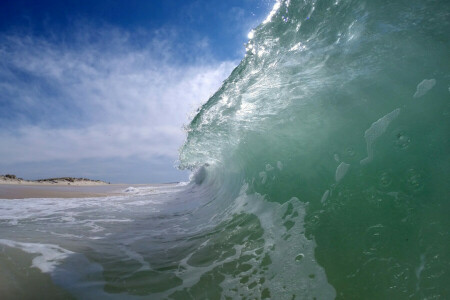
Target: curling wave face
[344,105]
[320,171]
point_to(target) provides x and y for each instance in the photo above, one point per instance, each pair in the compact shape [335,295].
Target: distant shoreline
[12,187]
[13,179]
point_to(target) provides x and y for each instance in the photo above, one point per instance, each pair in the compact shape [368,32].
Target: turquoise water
[321,170]
[345,105]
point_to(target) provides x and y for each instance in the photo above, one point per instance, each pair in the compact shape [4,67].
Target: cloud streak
[103,93]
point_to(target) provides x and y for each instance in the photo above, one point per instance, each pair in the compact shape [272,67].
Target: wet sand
[22,191]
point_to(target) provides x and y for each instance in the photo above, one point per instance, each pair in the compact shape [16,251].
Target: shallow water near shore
[23,191]
[320,171]
[161,241]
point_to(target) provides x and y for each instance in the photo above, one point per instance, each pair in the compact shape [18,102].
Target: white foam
[424,86]
[325,196]
[376,130]
[336,157]
[141,190]
[130,190]
[341,170]
[279,165]
[287,274]
[263,176]
[49,255]
[272,12]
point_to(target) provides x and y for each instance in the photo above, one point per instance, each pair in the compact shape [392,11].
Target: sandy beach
[45,190]
[12,187]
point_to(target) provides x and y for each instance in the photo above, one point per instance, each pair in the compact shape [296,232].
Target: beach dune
[12,187]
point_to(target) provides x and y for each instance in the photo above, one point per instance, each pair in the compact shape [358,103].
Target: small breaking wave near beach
[320,171]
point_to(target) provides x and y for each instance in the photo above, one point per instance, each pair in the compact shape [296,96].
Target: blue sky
[102,89]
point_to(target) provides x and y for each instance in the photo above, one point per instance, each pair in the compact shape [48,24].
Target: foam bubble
[423,87]
[49,255]
[341,170]
[376,130]
[279,165]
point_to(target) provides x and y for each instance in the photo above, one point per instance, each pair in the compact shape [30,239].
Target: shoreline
[49,190]
[13,187]
[13,179]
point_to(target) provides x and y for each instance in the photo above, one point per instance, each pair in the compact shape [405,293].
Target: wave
[320,170]
[339,115]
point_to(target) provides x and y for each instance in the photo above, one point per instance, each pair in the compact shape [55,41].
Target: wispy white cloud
[102,94]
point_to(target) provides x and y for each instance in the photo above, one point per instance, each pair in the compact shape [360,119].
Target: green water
[351,99]
[321,171]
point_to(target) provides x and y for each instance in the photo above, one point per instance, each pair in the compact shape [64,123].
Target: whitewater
[320,170]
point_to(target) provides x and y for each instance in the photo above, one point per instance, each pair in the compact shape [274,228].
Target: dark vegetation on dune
[11,177]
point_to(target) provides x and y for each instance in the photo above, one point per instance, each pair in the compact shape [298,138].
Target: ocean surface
[321,170]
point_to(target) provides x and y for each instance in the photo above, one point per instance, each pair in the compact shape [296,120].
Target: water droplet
[299,257]
[269,167]
[414,180]
[351,151]
[385,179]
[371,194]
[314,221]
[402,140]
[374,236]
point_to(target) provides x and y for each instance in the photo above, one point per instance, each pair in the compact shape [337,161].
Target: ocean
[320,170]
